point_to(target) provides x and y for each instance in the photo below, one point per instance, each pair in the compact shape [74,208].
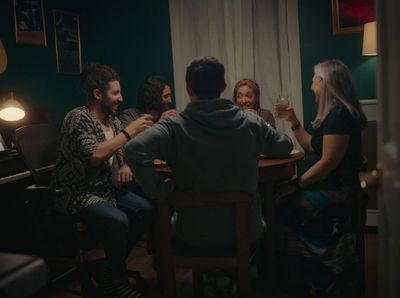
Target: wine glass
[282,103]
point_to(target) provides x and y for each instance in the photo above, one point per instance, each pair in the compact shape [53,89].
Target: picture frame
[3,146]
[29,22]
[67,42]
[349,16]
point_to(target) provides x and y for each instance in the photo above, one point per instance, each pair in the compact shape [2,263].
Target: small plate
[159,163]
[294,152]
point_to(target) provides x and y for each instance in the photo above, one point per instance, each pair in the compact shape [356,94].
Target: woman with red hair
[246,95]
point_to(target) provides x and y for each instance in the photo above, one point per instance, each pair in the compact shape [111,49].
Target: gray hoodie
[212,146]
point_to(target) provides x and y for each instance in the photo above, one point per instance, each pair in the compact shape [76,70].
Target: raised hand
[139,125]
[287,111]
[168,113]
[253,111]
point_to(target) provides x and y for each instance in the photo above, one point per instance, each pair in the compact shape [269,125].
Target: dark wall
[31,71]
[132,36]
[317,44]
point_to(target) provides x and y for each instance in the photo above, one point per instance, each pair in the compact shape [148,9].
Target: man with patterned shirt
[91,171]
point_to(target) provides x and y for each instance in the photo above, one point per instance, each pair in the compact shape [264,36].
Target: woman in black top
[318,213]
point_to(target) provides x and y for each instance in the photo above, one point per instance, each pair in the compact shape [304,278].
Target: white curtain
[257,39]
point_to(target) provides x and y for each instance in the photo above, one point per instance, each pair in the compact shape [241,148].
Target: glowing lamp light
[11,109]
[369,42]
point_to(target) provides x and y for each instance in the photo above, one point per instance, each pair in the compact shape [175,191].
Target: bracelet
[296,126]
[128,137]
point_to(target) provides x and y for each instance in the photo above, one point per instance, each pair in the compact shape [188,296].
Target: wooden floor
[141,261]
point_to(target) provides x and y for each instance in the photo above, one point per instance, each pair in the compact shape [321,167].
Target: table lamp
[11,109]
[369,42]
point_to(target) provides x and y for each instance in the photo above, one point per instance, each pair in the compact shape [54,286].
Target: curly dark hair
[149,95]
[97,76]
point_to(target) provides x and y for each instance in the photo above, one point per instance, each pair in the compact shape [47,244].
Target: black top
[340,121]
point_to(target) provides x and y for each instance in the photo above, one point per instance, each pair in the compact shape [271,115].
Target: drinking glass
[282,103]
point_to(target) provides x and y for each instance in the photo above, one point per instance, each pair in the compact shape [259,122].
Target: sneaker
[120,289]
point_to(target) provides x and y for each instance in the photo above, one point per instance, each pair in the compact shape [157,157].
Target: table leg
[267,191]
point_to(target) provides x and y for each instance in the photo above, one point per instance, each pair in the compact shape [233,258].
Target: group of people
[106,164]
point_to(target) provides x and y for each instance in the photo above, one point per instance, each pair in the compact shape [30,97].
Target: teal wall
[317,43]
[131,36]
[31,71]
[134,38]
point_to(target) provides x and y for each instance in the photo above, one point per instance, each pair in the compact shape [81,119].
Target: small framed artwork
[68,42]
[29,22]
[349,16]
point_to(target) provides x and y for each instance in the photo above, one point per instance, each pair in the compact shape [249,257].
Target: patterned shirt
[84,184]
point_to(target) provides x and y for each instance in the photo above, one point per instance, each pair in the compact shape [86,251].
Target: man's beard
[107,108]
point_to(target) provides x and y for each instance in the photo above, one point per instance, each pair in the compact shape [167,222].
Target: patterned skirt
[317,237]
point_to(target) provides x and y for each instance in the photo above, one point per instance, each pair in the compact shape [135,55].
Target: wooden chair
[38,146]
[170,259]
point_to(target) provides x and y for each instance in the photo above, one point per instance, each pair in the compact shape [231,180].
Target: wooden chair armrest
[45,189]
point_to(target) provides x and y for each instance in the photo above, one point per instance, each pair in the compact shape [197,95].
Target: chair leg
[86,282]
[244,287]
[166,276]
[169,283]
[88,289]
[198,290]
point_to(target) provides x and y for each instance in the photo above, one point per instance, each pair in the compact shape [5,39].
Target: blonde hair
[337,87]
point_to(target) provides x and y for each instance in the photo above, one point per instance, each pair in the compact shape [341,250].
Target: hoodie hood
[214,113]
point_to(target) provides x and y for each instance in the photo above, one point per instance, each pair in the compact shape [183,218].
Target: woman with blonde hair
[318,213]
[246,95]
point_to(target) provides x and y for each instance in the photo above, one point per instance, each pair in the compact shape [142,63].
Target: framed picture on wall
[29,22]
[349,16]
[68,42]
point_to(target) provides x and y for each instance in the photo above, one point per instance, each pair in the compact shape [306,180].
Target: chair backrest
[239,200]
[38,145]
[170,259]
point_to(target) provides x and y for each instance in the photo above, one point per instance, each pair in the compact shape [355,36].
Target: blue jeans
[120,227]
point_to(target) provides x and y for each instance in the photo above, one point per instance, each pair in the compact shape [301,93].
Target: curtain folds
[257,39]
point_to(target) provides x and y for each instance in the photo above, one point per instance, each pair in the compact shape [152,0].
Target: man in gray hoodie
[212,146]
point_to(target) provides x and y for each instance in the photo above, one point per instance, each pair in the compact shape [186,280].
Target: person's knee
[148,210]
[118,222]
[144,208]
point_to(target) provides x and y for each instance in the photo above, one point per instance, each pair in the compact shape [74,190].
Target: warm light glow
[369,43]
[11,110]
[12,114]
